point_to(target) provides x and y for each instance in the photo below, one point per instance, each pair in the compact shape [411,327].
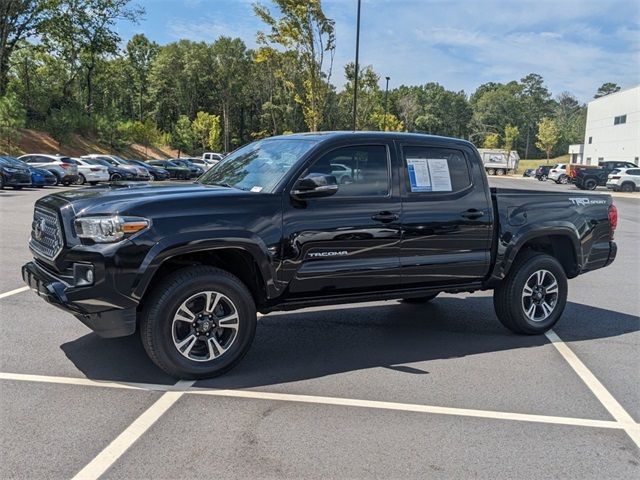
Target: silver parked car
[64,168]
[91,174]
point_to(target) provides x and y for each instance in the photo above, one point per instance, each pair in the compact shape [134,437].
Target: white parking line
[348,402]
[13,292]
[602,394]
[128,437]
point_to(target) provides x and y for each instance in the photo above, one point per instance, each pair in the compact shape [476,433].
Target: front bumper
[108,324]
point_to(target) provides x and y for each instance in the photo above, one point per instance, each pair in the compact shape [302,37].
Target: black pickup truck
[305,220]
[590,177]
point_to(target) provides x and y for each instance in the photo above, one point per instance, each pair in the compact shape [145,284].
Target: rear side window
[633,171]
[435,170]
[361,171]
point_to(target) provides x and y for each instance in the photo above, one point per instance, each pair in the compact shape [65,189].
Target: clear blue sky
[575,45]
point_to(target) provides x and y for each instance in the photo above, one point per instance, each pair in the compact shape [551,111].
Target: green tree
[62,122]
[19,19]
[607,89]
[231,66]
[369,100]
[491,141]
[304,28]
[12,118]
[511,134]
[140,55]
[82,31]
[536,103]
[388,123]
[206,127]
[548,135]
[183,137]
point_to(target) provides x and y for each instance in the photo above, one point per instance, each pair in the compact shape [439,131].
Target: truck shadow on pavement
[310,344]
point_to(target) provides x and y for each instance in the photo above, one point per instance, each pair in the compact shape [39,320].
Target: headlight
[109,229]
[11,170]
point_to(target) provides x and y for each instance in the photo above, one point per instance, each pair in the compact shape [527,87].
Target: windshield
[259,166]
[13,162]
[98,161]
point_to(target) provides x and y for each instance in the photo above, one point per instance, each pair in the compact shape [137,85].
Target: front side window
[258,166]
[435,170]
[360,171]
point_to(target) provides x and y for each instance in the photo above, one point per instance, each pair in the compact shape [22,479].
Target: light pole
[355,82]
[386,94]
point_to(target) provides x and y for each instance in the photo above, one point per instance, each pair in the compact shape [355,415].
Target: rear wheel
[17,187]
[425,299]
[500,172]
[1,182]
[491,171]
[628,187]
[93,183]
[564,179]
[198,323]
[115,177]
[81,180]
[532,297]
[590,184]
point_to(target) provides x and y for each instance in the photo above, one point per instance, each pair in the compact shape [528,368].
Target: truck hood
[124,197]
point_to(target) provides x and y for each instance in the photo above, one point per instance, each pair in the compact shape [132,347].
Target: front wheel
[198,323]
[532,297]
[491,171]
[564,179]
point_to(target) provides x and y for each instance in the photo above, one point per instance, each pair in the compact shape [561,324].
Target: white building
[613,128]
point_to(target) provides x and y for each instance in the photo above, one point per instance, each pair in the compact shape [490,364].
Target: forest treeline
[65,70]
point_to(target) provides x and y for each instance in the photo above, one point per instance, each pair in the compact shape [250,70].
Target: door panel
[351,240]
[447,232]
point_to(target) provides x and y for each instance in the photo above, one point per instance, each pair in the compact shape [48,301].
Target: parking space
[381,389]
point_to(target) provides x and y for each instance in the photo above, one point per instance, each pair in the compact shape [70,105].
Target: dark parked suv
[14,173]
[270,228]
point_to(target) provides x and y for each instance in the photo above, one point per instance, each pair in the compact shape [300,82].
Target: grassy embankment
[35,141]
[524,164]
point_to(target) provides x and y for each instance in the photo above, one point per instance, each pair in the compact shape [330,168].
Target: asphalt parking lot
[376,390]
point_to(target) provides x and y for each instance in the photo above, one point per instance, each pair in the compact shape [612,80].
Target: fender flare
[192,242]
[509,252]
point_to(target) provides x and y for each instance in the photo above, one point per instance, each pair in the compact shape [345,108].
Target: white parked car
[344,173]
[558,173]
[64,168]
[212,156]
[624,179]
[139,173]
[91,174]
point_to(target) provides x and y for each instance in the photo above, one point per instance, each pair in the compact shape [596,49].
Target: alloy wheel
[539,295]
[205,326]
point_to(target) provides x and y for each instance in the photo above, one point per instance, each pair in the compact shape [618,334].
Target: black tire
[590,184]
[1,182]
[417,300]
[17,187]
[508,298]
[156,328]
[93,183]
[563,180]
[81,180]
[628,187]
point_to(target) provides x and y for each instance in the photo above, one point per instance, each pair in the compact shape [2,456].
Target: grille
[46,233]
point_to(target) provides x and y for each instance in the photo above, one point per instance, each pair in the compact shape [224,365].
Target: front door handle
[385,217]
[472,214]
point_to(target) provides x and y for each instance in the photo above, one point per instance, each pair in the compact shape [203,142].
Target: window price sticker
[429,174]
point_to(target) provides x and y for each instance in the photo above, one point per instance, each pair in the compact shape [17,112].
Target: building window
[590,140]
[620,119]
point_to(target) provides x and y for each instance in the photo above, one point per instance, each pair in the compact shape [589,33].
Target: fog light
[82,274]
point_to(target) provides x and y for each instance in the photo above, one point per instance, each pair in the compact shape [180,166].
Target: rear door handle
[385,217]
[472,214]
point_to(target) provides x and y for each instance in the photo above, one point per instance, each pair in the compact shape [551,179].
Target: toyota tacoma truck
[188,266]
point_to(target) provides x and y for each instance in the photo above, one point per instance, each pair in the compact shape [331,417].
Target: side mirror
[315,185]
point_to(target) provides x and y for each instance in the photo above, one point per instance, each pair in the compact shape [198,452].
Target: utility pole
[355,82]
[386,94]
